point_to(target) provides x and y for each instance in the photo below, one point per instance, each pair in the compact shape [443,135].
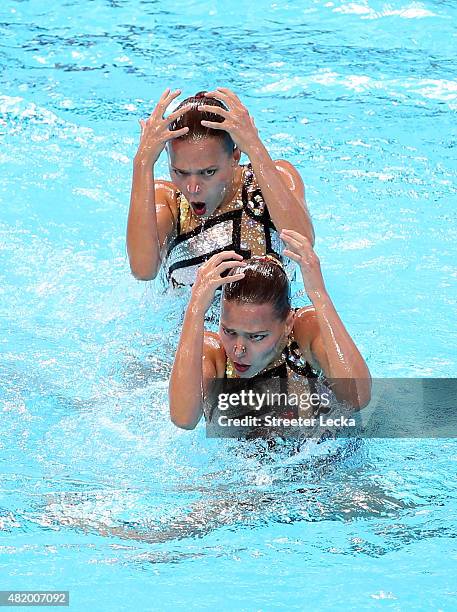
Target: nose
[193,186]
[239,350]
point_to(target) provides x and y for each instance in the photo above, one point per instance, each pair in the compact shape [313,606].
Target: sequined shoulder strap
[252,198]
[182,212]
[294,360]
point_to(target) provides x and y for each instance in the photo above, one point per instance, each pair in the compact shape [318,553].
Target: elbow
[312,237]
[142,272]
[363,395]
[181,416]
[360,402]
[309,232]
[144,266]
[354,393]
[141,276]
[183,423]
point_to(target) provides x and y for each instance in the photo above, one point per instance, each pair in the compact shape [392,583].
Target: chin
[253,373]
[212,209]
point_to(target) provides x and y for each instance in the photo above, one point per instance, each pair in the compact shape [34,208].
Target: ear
[236,155]
[290,320]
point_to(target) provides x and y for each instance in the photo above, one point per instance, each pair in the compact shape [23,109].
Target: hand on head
[155,131]
[212,275]
[299,249]
[236,119]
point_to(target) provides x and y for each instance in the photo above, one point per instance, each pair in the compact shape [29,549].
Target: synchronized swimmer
[219,224]
[260,335]
[213,203]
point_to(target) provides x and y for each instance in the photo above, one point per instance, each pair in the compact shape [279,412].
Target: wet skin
[252,335]
[205,172]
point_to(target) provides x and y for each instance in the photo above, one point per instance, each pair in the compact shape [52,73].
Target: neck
[234,186]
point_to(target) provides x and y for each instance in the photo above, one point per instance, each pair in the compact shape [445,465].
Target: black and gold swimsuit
[244,225]
[290,370]
[288,382]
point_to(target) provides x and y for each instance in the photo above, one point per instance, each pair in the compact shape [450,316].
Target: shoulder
[166,194]
[284,165]
[165,188]
[214,353]
[289,172]
[306,327]
[307,334]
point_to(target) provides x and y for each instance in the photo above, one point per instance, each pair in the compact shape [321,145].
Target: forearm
[285,209]
[343,357]
[186,381]
[142,238]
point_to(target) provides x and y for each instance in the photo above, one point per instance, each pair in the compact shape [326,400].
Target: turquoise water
[361,97]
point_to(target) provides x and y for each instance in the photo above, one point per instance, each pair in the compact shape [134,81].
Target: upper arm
[292,179]
[166,210]
[307,334]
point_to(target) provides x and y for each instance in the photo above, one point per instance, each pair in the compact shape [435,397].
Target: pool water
[100,494]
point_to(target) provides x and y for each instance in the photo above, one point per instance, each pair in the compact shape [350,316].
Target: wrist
[144,162]
[199,303]
[319,297]
[256,150]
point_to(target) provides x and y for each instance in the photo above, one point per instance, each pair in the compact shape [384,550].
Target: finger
[168,93]
[292,255]
[292,243]
[177,113]
[232,254]
[165,100]
[214,125]
[227,265]
[214,94]
[218,95]
[172,134]
[224,92]
[227,94]
[162,103]
[172,95]
[217,110]
[225,255]
[165,94]
[295,235]
[215,260]
[232,278]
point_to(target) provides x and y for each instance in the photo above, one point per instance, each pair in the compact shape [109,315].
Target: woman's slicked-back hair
[193,117]
[264,282]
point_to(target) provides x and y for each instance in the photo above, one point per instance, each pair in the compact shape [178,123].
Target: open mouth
[240,367]
[199,207]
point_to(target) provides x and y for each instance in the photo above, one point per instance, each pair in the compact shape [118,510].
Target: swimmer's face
[252,335]
[204,171]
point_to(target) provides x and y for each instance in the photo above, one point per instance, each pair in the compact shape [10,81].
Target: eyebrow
[253,333]
[200,170]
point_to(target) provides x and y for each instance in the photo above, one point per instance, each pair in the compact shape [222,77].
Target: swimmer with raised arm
[212,203]
[259,331]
